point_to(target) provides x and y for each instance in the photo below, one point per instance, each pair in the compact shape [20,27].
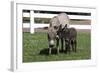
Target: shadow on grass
[45,51]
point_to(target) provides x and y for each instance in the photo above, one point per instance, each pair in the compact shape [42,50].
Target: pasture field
[35,48]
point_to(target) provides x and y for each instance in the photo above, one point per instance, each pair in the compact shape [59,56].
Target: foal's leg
[57,45]
[72,45]
[62,47]
[66,47]
[69,46]
[75,43]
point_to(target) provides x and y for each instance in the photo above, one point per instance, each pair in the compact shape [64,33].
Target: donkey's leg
[49,50]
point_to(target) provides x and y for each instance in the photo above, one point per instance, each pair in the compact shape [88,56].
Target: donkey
[52,38]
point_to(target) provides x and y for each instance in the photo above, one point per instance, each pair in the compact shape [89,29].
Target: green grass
[35,48]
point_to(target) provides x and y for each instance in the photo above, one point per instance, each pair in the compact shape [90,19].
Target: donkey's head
[51,35]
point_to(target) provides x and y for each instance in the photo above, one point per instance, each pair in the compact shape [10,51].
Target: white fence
[32,25]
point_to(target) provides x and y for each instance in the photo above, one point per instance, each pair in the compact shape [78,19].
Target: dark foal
[69,37]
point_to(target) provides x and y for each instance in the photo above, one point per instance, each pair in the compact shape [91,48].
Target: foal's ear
[66,25]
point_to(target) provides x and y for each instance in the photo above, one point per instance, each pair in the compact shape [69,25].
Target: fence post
[31,21]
